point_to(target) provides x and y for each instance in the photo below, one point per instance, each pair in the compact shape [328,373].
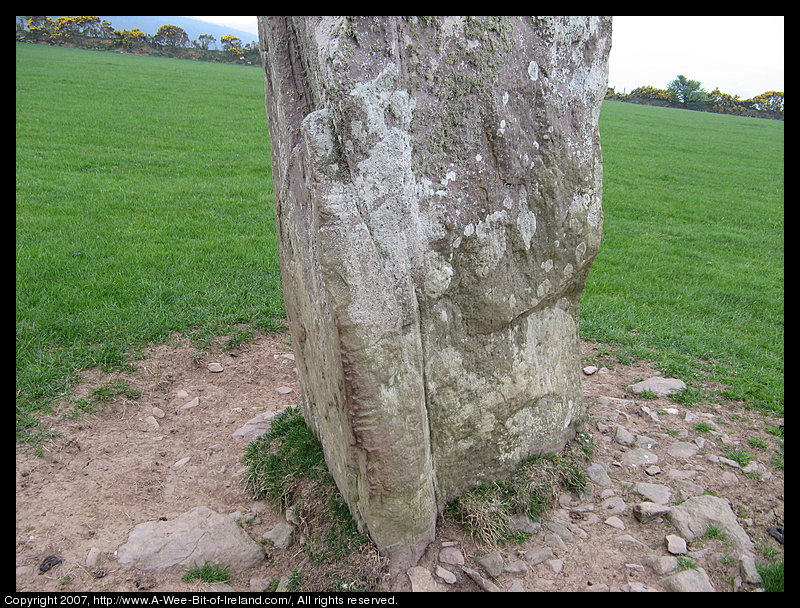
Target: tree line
[683,92]
[92,32]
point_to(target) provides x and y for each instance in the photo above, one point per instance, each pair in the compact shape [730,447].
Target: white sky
[740,55]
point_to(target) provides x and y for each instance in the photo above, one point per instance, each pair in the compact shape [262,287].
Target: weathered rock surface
[438,207]
[254,428]
[281,536]
[422,580]
[693,580]
[190,540]
[692,517]
[659,386]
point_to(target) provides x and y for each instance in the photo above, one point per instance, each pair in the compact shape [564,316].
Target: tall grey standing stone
[438,205]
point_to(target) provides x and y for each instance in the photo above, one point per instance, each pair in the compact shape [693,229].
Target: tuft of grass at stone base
[485,511]
[287,466]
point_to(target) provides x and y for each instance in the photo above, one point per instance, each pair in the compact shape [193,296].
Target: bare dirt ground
[115,468]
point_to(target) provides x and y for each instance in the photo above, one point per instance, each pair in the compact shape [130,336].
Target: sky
[737,54]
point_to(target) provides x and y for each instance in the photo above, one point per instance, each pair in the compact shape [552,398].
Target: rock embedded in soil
[683,450]
[492,563]
[653,492]
[445,574]
[192,403]
[523,523]
[191,540]
[452,556]
[675,544]
[661,387]
[598,474]
[480,580]
[639,457]
[536,555]
[692,517]
[691,580]
[254,428]
[646,511]
[422,580]
[281,536]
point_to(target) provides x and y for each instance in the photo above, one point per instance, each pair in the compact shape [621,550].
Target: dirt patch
[126,463]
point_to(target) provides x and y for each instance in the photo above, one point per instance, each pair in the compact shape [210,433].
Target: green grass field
[692,257]
[144,207]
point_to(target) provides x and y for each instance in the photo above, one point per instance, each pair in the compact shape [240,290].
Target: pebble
[93,557]
[614,505]
[492,563]
[537,555]
[675,544]
[598,474]
[683,449]
[281,536]
[639,457]
[191,404]
[49,562]
[447,576]
[452,556]
[422,580]
[653,492]
[645,512]
[482,582]
[181,462]
[215,367]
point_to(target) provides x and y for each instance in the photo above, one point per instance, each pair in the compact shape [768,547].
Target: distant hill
[192,27]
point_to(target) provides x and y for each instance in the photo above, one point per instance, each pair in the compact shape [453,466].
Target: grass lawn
[144,207]
[690,271]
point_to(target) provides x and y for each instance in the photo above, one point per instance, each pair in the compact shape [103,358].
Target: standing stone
[438,206]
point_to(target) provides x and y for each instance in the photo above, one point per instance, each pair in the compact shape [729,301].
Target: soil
[112,469]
